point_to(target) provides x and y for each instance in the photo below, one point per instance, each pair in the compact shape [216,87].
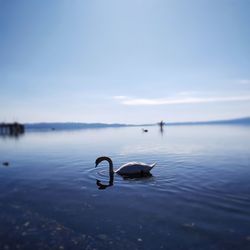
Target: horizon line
[139,124]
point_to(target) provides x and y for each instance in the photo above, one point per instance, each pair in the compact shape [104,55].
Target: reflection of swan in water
[104,186]
[128,169]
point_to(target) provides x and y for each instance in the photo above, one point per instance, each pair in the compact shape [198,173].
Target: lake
[198,197]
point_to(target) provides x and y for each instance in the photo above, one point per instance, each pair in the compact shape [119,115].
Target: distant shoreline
[79,125]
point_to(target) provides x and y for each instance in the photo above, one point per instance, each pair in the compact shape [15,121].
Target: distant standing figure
[161,124]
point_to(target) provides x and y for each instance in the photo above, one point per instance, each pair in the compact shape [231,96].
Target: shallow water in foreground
[197,198]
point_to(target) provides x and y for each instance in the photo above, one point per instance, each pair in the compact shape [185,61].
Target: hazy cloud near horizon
[124,61]
[179,100]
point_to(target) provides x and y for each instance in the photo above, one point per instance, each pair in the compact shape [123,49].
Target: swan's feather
[134,168]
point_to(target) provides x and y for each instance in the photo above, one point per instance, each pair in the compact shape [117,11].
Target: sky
[126,61]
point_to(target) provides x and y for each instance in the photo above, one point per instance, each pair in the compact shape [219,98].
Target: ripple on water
[197,197]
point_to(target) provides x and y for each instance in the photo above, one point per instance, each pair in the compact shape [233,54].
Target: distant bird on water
[128,169]
[144,130]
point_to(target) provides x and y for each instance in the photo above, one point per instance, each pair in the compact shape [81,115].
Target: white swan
[130,168]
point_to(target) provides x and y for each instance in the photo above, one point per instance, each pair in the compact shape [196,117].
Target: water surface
[197,198]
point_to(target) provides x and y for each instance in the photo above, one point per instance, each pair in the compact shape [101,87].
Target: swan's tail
[152,165]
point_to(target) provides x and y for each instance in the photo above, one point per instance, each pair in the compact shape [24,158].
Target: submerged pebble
[190,225]
[26,224]
[59,228]
[102,236]
[6,247]
[74,241]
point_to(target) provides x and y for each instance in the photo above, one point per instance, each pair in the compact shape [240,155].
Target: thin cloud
[120,97]
[184,100]
[188,93]
[244,81]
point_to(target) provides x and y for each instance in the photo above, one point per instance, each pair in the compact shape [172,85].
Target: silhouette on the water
[161,124]
[6,163]
[144,130]
[129,169]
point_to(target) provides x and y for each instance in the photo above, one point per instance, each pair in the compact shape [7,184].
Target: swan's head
[99,160]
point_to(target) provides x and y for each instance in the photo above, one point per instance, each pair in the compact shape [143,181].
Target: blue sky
[131,61]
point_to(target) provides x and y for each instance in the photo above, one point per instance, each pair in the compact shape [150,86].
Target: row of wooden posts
[11,128]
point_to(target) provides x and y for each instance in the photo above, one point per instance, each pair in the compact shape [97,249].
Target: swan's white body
[130,168]
[133,168]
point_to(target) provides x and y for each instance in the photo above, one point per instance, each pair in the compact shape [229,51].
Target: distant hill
[238,121]
[69,125]
[78,125]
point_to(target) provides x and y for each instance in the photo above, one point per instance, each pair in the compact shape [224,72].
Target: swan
[128,169]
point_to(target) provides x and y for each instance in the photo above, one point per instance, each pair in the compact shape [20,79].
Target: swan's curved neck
[111,170]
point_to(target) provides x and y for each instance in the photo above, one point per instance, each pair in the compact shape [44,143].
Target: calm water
[197,198]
